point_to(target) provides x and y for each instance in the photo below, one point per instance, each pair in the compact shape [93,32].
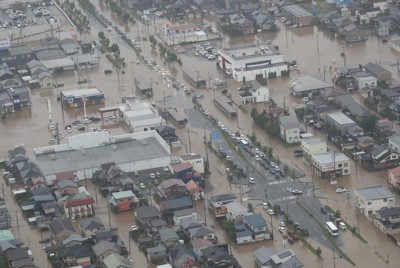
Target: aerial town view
[199,133]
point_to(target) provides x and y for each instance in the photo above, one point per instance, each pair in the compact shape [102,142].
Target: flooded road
[313,50]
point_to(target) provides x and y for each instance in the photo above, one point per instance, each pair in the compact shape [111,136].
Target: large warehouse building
[84,154]
[248,61]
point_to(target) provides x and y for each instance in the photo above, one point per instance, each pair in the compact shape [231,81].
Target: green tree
[101,35]
[318,251]
[367,122]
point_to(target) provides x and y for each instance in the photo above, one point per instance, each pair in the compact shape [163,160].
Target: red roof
[395,171]
[65,175]
[79,202]
[181,167]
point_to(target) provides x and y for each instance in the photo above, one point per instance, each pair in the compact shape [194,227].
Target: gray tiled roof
[374,192]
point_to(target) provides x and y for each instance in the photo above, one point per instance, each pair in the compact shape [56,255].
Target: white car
[297,191]
[152,176]
[134,228]
[265,206]
[142,186]
[270,212]
[252,181]
[282,224]
[342,225]
[341,190]
[257,158]
[282,229]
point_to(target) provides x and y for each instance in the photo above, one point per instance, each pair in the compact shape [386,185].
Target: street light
[335,257]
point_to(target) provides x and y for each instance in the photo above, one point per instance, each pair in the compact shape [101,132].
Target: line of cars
[288,23]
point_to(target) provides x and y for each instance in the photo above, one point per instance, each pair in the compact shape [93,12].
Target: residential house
[167,132]
[263,22]
[285,258]
[159,252]
[181,257]
[195,190]
[108,234]
[353,33]
[256,93]
[79,205]
[76,255]
[116,261]
[6,75]
[395,44]
[155,225]
[89,226]
[262,257]
[383,127]
[364,79]
[365,143]
[377,71]
[348,103]
[204,232]
[248,8]
[187,224]
[243,234]
[322,110]
[17,55]
[388,220]
[172,188]
[189,213]
[370,199]
[200,244]
[67,187]
[144,214]
[222,15]
[204,4]
[217,256]
[124,200]
[103,249]
[60,229]
[19,257]
[236,211]
[258,227]
[387,94]
[381,4]
[168,237]
[180,170]
[394,177]
[339,121]
[10,83]
[217,204]
[72,240]
[275,112]
[289,126]
[167,207]
[384,157]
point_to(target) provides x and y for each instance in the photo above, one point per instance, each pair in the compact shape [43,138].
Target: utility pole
[16,217]
[109,215]
[190,147]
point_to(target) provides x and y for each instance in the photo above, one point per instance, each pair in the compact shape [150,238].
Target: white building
[289,126]
[196,160]
[85,153]
[248,61]
[330,164]
[257,93]
[140,116]
[364,79]
[236,211]
[313,145]
[372,198]
[304,85]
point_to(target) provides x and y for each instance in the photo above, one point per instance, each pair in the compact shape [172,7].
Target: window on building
[345,164]
[345,171]
[340,165]
[369,212]
[384,199]
[369,203]
[145,129]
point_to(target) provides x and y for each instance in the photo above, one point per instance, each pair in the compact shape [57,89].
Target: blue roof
[246,232]
[255,220]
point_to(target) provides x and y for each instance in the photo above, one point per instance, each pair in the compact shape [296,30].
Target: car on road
[166,169]
[296,225]
[152,176]
[270,212]
[342,225]
[134,228]
[228,170]
[158,174]
[298,153]
[252,181]
[341,190]
[257,158]
[142,186]
[282,229]
[282,224]
[265,205]
[323,210]
[297,192]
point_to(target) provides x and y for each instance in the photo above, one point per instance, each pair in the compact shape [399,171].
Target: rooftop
[330,157]
[249,51]
[289,121]
[297,10]
[58,63]
[340,118]
[123,194]
[389,212]
[79,93]
[263,255]
[307,83]
[374,192]
[313,141]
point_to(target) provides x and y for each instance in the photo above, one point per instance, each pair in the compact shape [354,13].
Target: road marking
[323,237]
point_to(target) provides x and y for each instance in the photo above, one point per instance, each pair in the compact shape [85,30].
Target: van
[305,99]
[342,225]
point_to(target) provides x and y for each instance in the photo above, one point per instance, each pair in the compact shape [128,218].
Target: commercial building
[340,121]
[372,198]
[196,160]
[194,78]
[289,126]
[140,116]
[143,86]
[313,145]
[395,44]
[225,105]
[298,15]
[84,154]
[330,165]
[257,93]
[59,65]
[304,85]
[245,62]
[75,98]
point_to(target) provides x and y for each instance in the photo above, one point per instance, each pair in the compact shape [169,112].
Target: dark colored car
[323,210]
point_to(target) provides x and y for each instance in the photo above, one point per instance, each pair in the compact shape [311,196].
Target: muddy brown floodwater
[312,49]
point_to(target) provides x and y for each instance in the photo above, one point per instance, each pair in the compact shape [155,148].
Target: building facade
[330,165]
[372,198]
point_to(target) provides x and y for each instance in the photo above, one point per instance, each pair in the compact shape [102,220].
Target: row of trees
[119,11]
[89,7]
[114,49]
[269,125]
[81,21]
[165,53]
